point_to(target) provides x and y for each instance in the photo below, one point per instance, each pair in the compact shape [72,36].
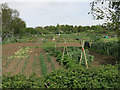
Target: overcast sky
[53,13]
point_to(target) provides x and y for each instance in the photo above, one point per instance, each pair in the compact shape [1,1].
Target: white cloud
[51,13]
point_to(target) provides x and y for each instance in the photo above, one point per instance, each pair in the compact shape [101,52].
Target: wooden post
[83,51]
[85,58]
[81,57]
[65,46]
[82,43]
[63,55]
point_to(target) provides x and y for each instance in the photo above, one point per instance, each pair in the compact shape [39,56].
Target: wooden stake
[63,55]
[81,57]
[83,51]
[65,46]
[82,43]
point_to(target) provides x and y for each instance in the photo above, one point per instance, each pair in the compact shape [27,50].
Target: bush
[76,77]
[80,77]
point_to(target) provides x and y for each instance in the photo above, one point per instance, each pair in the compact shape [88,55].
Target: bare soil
[68,44]
[100,59]
[10,49]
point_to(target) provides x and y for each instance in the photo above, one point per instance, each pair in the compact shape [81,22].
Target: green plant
[73,57]
[17,63]
[49,58]
[42,64]
[21,53]
[53,66]
[34,64]
[49,47]
[8,60]
[25,63]
[108,48]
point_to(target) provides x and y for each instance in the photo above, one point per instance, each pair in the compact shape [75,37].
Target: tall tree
[18,26]
[11,23]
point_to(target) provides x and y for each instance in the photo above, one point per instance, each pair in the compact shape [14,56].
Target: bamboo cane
[84,54]
[63,55]
[66,46]
[83,51]
[81,57]
[85,58]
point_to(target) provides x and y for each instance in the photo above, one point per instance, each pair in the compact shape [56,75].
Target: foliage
[49,47]
[18,81]
[78,77]
[71,60]
[42,64]
[11,23]
[49,58]
[109,10]
[97,77]
[109,48]
[76,54]
[25,63]
[21,53]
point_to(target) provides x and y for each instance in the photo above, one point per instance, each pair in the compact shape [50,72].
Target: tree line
[12,24]
[66,29]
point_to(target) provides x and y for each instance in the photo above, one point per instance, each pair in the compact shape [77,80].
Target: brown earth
[100,59]
[10,49]
[68,44]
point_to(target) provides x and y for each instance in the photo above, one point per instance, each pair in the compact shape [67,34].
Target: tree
[31,30]
[80,28]
[18,26]
[105,9]
[11,23]
[111,13]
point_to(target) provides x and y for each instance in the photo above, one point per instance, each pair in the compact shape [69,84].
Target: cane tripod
[83,52]
[65,47]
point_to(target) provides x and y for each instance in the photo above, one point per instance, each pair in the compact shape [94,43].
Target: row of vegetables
[77,77]
[74,76]
[71,56]
[108,48]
